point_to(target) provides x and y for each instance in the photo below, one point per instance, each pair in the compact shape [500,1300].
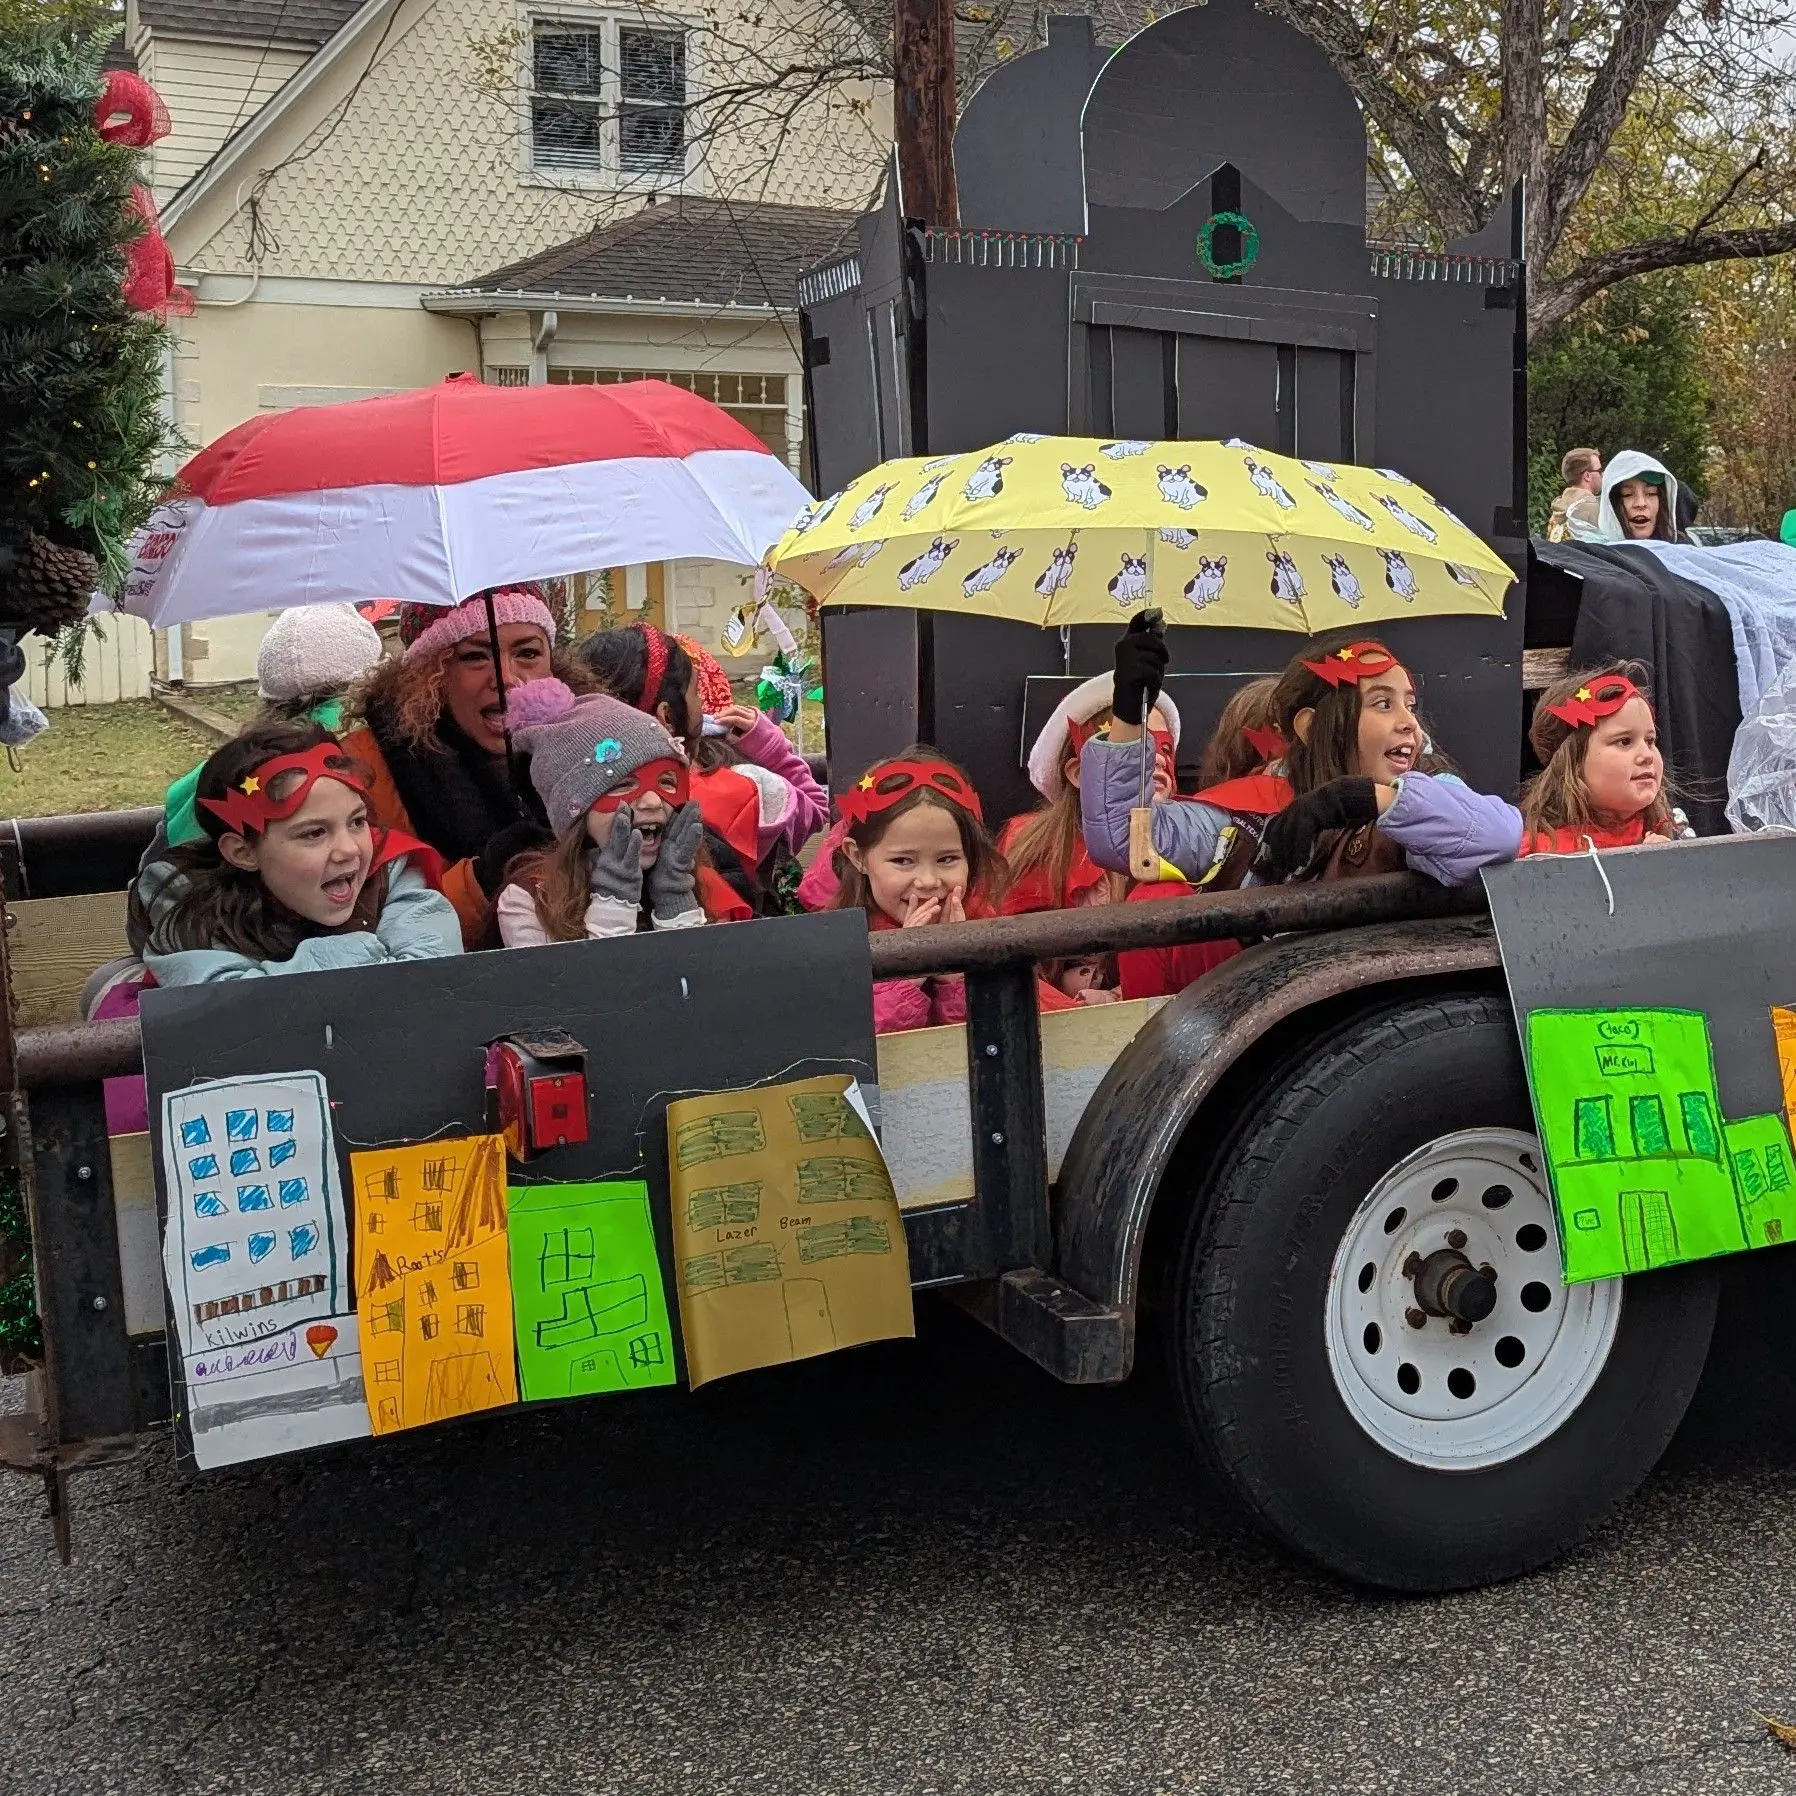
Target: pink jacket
[793,806]
[918,1003]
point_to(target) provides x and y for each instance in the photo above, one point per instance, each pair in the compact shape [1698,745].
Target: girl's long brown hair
[1229,755]
[556,878]
[222,906]
[987,870]
[1048,838]
[1557,797]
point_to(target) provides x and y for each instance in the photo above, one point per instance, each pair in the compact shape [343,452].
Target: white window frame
[610,176]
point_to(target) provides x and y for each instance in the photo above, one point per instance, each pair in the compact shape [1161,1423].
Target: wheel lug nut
[1456,1327]
[1412,1265]
[1456,1238]
[1415,1318]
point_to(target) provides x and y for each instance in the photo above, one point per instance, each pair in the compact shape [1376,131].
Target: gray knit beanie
[580,748]
[315,648]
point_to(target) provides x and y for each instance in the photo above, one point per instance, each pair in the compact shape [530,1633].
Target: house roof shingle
[307,24]
[686,249]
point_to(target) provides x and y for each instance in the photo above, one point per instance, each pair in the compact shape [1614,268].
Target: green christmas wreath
[1206,245]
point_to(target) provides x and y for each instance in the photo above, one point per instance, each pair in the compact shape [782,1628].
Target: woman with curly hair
[433,739]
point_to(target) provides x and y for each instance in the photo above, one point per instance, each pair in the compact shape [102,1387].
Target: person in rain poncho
[1639,501]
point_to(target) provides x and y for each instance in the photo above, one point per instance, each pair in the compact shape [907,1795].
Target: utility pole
[924,108]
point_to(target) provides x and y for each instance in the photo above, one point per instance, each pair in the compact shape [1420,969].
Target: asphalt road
[913,1569]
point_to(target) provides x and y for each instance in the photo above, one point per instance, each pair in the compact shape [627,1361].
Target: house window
[651,113]
[755,400]
[567,111]
[608,98]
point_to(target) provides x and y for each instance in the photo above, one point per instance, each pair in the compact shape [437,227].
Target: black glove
[1141,658]
[1290,838]
[491,863]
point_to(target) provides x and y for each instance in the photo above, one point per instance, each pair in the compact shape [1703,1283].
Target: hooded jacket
[1630,464]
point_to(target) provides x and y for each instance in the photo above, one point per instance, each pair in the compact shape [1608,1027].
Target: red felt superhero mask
[891,782]
[1078,734]
[1267,743]
[666,778]
[1595,700]
[269,794]
[1357,661]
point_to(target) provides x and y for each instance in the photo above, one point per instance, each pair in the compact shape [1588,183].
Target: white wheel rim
[1461,1402]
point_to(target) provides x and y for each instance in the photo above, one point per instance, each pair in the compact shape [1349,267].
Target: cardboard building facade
[1167,241]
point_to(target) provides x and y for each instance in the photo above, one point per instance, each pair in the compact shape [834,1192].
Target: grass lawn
[100,758]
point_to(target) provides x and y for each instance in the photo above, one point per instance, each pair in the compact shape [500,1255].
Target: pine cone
[50,587]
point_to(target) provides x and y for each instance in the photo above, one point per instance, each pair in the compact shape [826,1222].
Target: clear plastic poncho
[1761,771]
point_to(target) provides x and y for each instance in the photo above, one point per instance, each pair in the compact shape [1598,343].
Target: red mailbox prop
[536,1084]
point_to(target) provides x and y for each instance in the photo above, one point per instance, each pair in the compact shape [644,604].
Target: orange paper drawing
[1783,1026]
[433,1281]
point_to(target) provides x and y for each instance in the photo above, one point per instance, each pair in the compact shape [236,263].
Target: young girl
[1639,501]
[916,852]
[627,853]
[759,800]
[1602,777]
[290,876]
[1246,738]
[1348,711]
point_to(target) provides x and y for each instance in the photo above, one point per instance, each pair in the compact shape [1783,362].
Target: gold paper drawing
[433,1281]
[787,1236]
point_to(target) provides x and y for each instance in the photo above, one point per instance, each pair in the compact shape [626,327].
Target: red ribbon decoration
[1595,700]
[1357,661]
[654,669]
[870,794]
[130,111]
[247,805]
[150,265]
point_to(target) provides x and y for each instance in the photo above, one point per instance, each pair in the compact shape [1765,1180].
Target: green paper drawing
[590,1310]
[1645,1170]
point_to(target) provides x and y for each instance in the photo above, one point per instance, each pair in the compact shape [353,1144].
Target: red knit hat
[714,690]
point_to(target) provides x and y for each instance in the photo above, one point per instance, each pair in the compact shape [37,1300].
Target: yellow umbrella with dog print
[1072,530]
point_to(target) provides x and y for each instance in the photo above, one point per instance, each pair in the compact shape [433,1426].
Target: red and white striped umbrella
[435,494]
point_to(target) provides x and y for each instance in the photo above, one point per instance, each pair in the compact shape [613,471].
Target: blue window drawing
[302,1240]
[260,1247]
[253,1197]
[210,1256]
[205,1167]
[293,1191]
[208,1203]
[280,1122]
[280,1152]
[240,1125]
[196,1132]
[245,1159]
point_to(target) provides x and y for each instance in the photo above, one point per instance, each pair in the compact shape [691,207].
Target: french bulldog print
[923,495]
[1322,470]
[1267,486]
[926,565]
[1026,436]
[987,480]
[1178,488]
[1459,576]
[983,579]
[1287,582]
[1344,580]
[1058,571]
[856,555]
[1392,474]
[816,513]
[1082,486]
[1205,586]
[1128,586]
[1342,507]
[1239,443]
[869,508]
[1179,539]
[1409,520]
[1124,451]
[1398,575]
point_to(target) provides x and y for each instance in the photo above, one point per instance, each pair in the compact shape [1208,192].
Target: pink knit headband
[511,605]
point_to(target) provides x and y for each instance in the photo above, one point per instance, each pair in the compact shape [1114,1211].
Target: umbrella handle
[1144,860]
[512,772]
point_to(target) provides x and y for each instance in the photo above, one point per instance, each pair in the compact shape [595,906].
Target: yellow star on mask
[1584,694]
[252,784]
[1344,654]
[866,784]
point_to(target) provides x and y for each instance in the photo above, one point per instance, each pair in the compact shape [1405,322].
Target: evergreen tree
[81,421]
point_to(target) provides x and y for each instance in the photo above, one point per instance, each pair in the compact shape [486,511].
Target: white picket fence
[118,667]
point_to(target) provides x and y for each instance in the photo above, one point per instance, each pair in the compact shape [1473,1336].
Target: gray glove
[615,870]
[675,872]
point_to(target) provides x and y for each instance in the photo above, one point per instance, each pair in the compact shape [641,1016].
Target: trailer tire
[1297,1413]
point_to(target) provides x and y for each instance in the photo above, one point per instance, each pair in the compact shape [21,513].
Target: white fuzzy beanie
[315,648]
